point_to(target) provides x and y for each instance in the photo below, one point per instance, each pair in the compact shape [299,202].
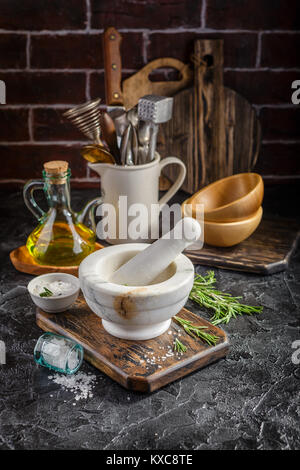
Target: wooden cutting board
[139,84]
[23,262]
[267,251]
[122,360]
[214,130]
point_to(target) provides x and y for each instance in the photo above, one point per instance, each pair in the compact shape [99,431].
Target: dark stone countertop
[250,400]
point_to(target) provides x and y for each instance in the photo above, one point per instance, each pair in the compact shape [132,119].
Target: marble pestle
[148,264]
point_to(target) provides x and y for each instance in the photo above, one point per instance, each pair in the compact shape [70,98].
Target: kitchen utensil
[267,251]
[231,198]
[126,362]
[23,262]
[54,304]
[132,116]
[112,64]
[143,151]
[155,110]
[126,146]
[61,237]
[229,233]
[135,146]
[131,312]
[144,134]
[139,84]
[86,117]
[139,183]
[129,152]
[119,117]
[110,134]
[113,74]
[96,153]
[158,256]
[220,132]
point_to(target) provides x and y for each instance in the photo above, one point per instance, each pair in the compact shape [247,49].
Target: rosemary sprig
[197,331]
[46,293]
[225,306]
[178,346]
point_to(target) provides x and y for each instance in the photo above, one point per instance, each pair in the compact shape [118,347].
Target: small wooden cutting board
[267,251]
[126,361]
[23,262]
[139,85]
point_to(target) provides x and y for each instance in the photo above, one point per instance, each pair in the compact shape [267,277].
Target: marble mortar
[134,312]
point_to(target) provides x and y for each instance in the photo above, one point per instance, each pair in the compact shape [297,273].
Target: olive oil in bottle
[61,238]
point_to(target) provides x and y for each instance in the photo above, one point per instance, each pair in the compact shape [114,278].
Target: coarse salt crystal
[80,384]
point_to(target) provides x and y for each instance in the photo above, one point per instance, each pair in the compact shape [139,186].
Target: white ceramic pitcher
[140,183]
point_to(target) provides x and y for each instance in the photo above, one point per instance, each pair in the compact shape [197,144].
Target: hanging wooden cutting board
[214,130]
[139,84]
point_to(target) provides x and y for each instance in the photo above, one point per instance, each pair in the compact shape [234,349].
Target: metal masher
[154,110]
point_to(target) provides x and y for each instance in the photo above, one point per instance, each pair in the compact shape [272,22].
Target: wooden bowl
[231,233]
[229,199]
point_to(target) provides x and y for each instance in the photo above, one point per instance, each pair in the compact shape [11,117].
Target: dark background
[51,58]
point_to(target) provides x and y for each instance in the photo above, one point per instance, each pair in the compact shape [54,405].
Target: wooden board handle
[169,62]
[113,67]
[139,84]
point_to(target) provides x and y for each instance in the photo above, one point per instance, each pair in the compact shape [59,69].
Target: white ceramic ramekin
[59,303]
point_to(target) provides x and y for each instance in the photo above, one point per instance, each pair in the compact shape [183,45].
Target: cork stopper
[55,167]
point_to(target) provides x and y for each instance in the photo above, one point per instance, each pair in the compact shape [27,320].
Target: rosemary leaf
[46,293]
[197,331]
[225,306]
[178,346]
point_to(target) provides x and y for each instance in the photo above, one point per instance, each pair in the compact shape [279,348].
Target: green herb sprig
[197,331]
[225,306]
[46,293]
[178,346]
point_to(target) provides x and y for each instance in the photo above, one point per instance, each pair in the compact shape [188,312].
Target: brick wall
[51,58]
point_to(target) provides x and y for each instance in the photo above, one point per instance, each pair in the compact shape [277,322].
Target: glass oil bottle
[61,237]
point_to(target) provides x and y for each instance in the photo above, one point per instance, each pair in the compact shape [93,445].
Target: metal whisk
[86,117]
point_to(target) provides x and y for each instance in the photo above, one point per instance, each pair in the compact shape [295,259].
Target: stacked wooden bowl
[232,208]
